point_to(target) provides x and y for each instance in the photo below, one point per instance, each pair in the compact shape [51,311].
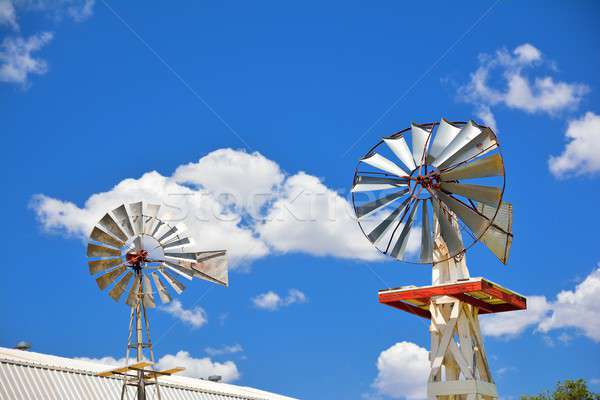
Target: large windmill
[136,252]
[425,195]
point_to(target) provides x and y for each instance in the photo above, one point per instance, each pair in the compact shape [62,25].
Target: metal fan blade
[159,224]
[476,222]
[498,241]
[162,290]
[175,266]
[378,161]
[382,228]
[98,235]
[148,294]
[449,233]
[123,219]
[213,269]
[108,278]
[485,194]
[205,255]
[132,298]
[117,291]
[502,218]
[177,243]
[400,247]
[103,265]
[137,243]
[482,144]
[426,238]
[175,284]
[419,141]
[468,132]
[94,250]
[150,214]
[374,205]
[111,226]
[137,217]
[368,183]
[170,232]
[483,168]
[401,150]
[445,133]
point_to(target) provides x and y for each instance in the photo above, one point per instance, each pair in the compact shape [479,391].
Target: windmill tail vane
[442,185]
[133,251]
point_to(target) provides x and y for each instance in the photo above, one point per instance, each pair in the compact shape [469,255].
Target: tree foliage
[567,390]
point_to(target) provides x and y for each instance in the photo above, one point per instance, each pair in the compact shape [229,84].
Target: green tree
[567,390]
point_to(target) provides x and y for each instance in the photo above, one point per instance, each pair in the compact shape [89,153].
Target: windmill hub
[423,181]
[136,258]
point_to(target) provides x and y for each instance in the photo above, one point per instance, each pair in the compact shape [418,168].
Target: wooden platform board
[488,296]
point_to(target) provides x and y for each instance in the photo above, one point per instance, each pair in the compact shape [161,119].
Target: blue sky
[97,94]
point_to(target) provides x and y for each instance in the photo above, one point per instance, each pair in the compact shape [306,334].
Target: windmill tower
[442,193]
[131,244]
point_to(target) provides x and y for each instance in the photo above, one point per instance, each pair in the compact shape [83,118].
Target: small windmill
[442,193]
[131,244]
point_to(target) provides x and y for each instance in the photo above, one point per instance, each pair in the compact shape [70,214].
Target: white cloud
[196,317]
[81,10]
[402,372]
[271,301]
[218,351]
[576,309]
[305,215]
[8,15]
[78,10]
[532,94]
[16,58]
[194,367]
[582,153]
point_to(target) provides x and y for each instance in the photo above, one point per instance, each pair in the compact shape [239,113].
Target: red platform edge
[479,292]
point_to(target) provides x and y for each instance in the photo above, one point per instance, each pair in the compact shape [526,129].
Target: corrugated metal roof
[27,375]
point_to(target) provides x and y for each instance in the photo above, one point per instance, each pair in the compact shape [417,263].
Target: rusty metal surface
[175,284]
[99,235]
[102,265]
[117,291]
[132,298]
[122,217]
[105,280]
[111,226]
[95,250]
[148,293]
[162,290]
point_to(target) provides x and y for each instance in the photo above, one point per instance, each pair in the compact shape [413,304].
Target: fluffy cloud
[78,10]
[582,153]
[194,367]
[576,309]
[402,372]
[271,301]
[530,94]
[16,58]
[8,15]
[302,214]
[195,317]
[218,351]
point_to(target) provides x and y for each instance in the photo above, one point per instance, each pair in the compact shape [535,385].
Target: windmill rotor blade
[445,133]
[502,218]
[400,246]
[180,269]
[205,255]
[213,269]
[94,250]
[150,214]
[177,243]
[400,149]
[426,237]
[449,233]
[482,168]
[132,298]
[137,243]
[368,208]
[170,232]
[103,265]
[468,132]
[383,227]
[476,222]
[159,224]
[175,284]
[368,183]
[482,144]
[108,223]
[98,235]
[117,291]
[162,290]
[380,162]
[108,278]
[498,238]
[137,217]
[419,141]
[484,194]
[122,217]
[148,293]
